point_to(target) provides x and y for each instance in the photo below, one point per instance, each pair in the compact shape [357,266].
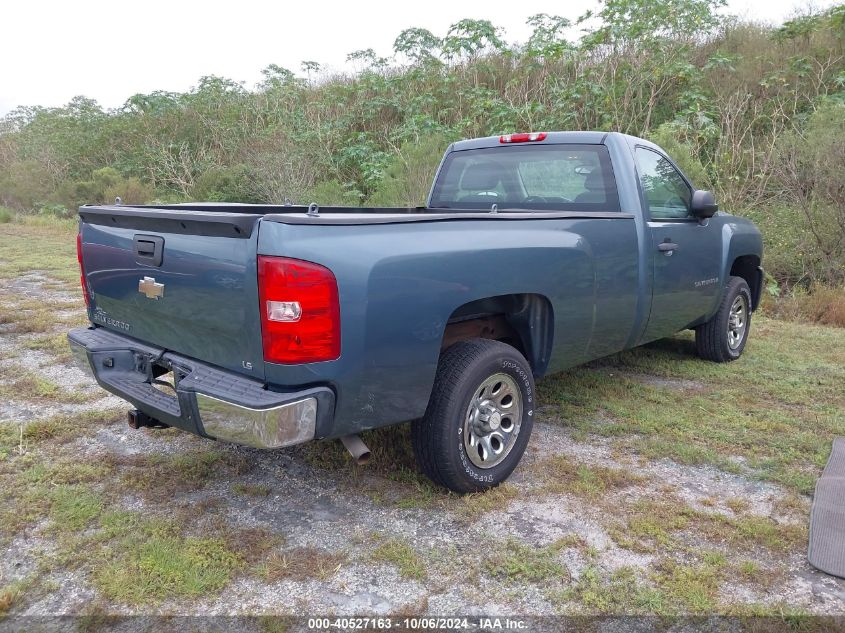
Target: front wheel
[722,339]
[479,417]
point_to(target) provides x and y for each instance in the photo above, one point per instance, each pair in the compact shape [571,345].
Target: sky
[51,51]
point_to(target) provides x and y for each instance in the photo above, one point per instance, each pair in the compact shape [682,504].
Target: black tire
[438,438]
[712,339]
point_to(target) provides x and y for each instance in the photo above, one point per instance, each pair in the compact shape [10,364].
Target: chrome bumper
[207,401]
[284,425]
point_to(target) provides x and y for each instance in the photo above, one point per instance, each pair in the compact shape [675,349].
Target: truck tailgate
[184,281]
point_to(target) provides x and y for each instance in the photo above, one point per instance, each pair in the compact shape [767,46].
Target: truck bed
[241,217]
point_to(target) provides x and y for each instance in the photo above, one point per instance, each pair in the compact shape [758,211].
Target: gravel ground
[350,511]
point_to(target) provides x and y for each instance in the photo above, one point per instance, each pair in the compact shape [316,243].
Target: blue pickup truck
[274,325]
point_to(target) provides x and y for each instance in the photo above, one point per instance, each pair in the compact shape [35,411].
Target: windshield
[564,177]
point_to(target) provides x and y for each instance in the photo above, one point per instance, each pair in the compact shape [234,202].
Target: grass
[43,244]
[11,593]
[28,385]
[672,588]
[251,490]
[74,507]
[302,563]
[773,414]
[821,304]
[690,588]
[144,570]
[514,561]
[56,429]
[53,344]
[655,525]
[770,416]
[620,592]
[562,474]
[401,555]
[473,506]
[160,476]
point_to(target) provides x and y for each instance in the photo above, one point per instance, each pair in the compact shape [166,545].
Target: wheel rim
[737,321]
[492,421]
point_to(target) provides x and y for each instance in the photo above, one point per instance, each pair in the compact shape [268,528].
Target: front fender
[740,238]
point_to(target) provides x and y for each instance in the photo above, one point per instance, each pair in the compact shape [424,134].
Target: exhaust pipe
[356,447]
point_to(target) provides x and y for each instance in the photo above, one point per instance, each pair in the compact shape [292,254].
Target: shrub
[820,305]
[24,184]
[6,215]
[225,184]
[408,178]
[809,168]
[332,192]
[130,191]
[54,210]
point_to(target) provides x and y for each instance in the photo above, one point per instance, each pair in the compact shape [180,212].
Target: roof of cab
[586,138]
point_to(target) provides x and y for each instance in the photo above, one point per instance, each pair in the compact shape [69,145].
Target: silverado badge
[150,288]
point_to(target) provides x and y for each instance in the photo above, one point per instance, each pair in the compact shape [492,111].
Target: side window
[667,194]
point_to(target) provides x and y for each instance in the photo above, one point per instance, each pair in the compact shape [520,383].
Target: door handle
[667,248]
[148,249]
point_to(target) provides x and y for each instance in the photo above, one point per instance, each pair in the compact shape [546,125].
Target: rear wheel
[479,417]
[722,339]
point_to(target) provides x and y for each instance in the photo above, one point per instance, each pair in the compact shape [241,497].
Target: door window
[666,192]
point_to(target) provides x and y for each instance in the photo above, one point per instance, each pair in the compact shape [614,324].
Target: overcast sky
[51,51]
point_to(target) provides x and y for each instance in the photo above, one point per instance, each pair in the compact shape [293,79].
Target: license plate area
[165,377]
[141,376]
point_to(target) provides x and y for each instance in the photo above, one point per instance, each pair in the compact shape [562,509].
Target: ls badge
[148,286]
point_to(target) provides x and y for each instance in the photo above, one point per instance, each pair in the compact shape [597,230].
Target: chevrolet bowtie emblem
[150,288]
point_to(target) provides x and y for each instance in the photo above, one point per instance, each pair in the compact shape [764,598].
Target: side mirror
[703,204]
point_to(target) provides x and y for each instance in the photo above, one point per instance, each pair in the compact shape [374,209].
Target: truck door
[685,252]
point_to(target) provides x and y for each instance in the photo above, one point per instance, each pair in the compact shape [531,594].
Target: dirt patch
[676,384]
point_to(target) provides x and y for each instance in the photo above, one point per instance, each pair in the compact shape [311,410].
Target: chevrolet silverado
[274,325]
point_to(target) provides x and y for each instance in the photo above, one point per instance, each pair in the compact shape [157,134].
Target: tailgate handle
[148,249]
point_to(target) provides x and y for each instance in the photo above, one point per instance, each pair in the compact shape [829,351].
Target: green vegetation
[74,507]
[620,593]
[160,476]
[251,490]
[302,563]
[53,344]
[655,525]
[38,244]
[11,592]
[562,474]
[55,429]
[752,111]
[35,387]
[403,556]
[514,561]
[147,566]
[772,416]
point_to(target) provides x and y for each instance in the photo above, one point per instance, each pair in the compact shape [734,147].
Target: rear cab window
[554,177]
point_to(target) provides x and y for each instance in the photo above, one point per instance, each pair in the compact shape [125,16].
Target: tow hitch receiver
[139,419]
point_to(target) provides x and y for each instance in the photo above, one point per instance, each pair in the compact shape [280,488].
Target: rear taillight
[82,281]
[524,137]
[300,313]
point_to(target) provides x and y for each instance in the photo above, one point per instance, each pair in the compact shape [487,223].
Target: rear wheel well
[524,321]
[748,267]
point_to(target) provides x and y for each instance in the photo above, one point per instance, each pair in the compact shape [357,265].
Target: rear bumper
[207,401]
